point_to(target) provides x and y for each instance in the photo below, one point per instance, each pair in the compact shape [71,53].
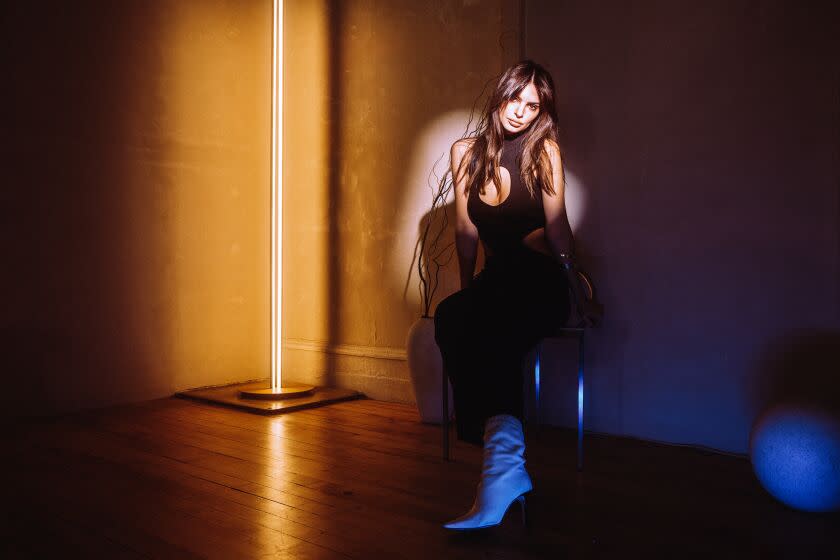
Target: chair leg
[580,404]
[537,387]
[444,416]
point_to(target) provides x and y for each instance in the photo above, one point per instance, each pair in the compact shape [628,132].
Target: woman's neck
[512,136]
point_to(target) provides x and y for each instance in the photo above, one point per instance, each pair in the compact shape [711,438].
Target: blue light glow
[580,400]
[795,453]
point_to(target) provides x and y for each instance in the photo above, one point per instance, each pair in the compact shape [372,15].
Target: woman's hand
[591,313]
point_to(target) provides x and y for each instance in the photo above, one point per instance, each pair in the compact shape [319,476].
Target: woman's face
[520,111]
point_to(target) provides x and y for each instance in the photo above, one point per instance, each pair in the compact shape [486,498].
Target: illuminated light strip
[580,405]
[580,400]
[276,193]
[537,381]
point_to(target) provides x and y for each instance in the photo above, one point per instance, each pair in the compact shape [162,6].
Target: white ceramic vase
[426,368]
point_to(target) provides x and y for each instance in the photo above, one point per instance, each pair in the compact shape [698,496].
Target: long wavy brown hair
[483,156]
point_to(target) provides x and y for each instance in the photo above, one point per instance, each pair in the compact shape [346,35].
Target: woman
[508,185]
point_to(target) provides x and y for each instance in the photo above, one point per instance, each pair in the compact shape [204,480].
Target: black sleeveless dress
[502,227]
[485,330]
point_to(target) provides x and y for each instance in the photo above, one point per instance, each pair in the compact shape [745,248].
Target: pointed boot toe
[483,518]
[504,479]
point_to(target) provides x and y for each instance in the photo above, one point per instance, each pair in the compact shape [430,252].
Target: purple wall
[706,136]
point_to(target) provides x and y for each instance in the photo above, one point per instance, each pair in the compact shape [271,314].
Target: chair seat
[563,330]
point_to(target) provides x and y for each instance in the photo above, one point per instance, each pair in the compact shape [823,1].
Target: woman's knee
[449,315]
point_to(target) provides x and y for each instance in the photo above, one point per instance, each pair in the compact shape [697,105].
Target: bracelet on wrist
[567,260]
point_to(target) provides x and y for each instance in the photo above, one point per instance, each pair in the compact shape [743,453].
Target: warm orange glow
[355,178]
[199,242]
[276,194]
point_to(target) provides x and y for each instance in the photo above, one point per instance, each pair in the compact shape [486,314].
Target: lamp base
[277,393]
[231,395]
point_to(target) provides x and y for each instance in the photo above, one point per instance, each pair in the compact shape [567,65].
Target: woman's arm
[558,233]
[466,234]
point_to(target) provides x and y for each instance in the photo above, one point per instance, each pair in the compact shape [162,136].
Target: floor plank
[172,478]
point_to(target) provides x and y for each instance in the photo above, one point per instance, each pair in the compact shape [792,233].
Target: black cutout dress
[485,330]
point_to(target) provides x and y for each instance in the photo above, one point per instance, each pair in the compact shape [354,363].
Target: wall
[135,231]
[706,137]
[136,225]
[134,208]
[376,91]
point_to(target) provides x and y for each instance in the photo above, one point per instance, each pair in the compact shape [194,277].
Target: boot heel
[521,500]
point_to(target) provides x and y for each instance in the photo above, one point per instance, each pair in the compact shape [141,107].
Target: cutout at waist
[534,240]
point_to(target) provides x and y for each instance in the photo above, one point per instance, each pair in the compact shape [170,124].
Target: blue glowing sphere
[795,453]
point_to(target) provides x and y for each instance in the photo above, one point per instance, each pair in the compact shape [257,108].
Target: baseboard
[380,373]
[378,352]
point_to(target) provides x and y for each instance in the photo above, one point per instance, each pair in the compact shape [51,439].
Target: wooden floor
[364,479]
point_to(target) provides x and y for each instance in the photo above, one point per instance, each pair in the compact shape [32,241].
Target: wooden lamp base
[277,393]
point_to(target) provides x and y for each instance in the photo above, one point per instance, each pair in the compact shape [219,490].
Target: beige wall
[375,91]
[134,230]
[135,212]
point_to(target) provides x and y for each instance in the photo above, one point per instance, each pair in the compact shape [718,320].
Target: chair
[560,332]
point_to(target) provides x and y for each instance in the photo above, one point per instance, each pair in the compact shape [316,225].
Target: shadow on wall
[335,252]
[71,333]
[800,367]
[136,231]
[428,166]
[439,254]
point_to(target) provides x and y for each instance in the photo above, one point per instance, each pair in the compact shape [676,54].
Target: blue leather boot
[503,476]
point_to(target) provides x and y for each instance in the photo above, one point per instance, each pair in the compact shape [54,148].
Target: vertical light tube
[580,404]
[537,383]
[276,193]
[276,390]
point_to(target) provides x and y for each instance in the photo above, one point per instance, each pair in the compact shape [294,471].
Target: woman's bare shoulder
[551,148]
[462,145]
